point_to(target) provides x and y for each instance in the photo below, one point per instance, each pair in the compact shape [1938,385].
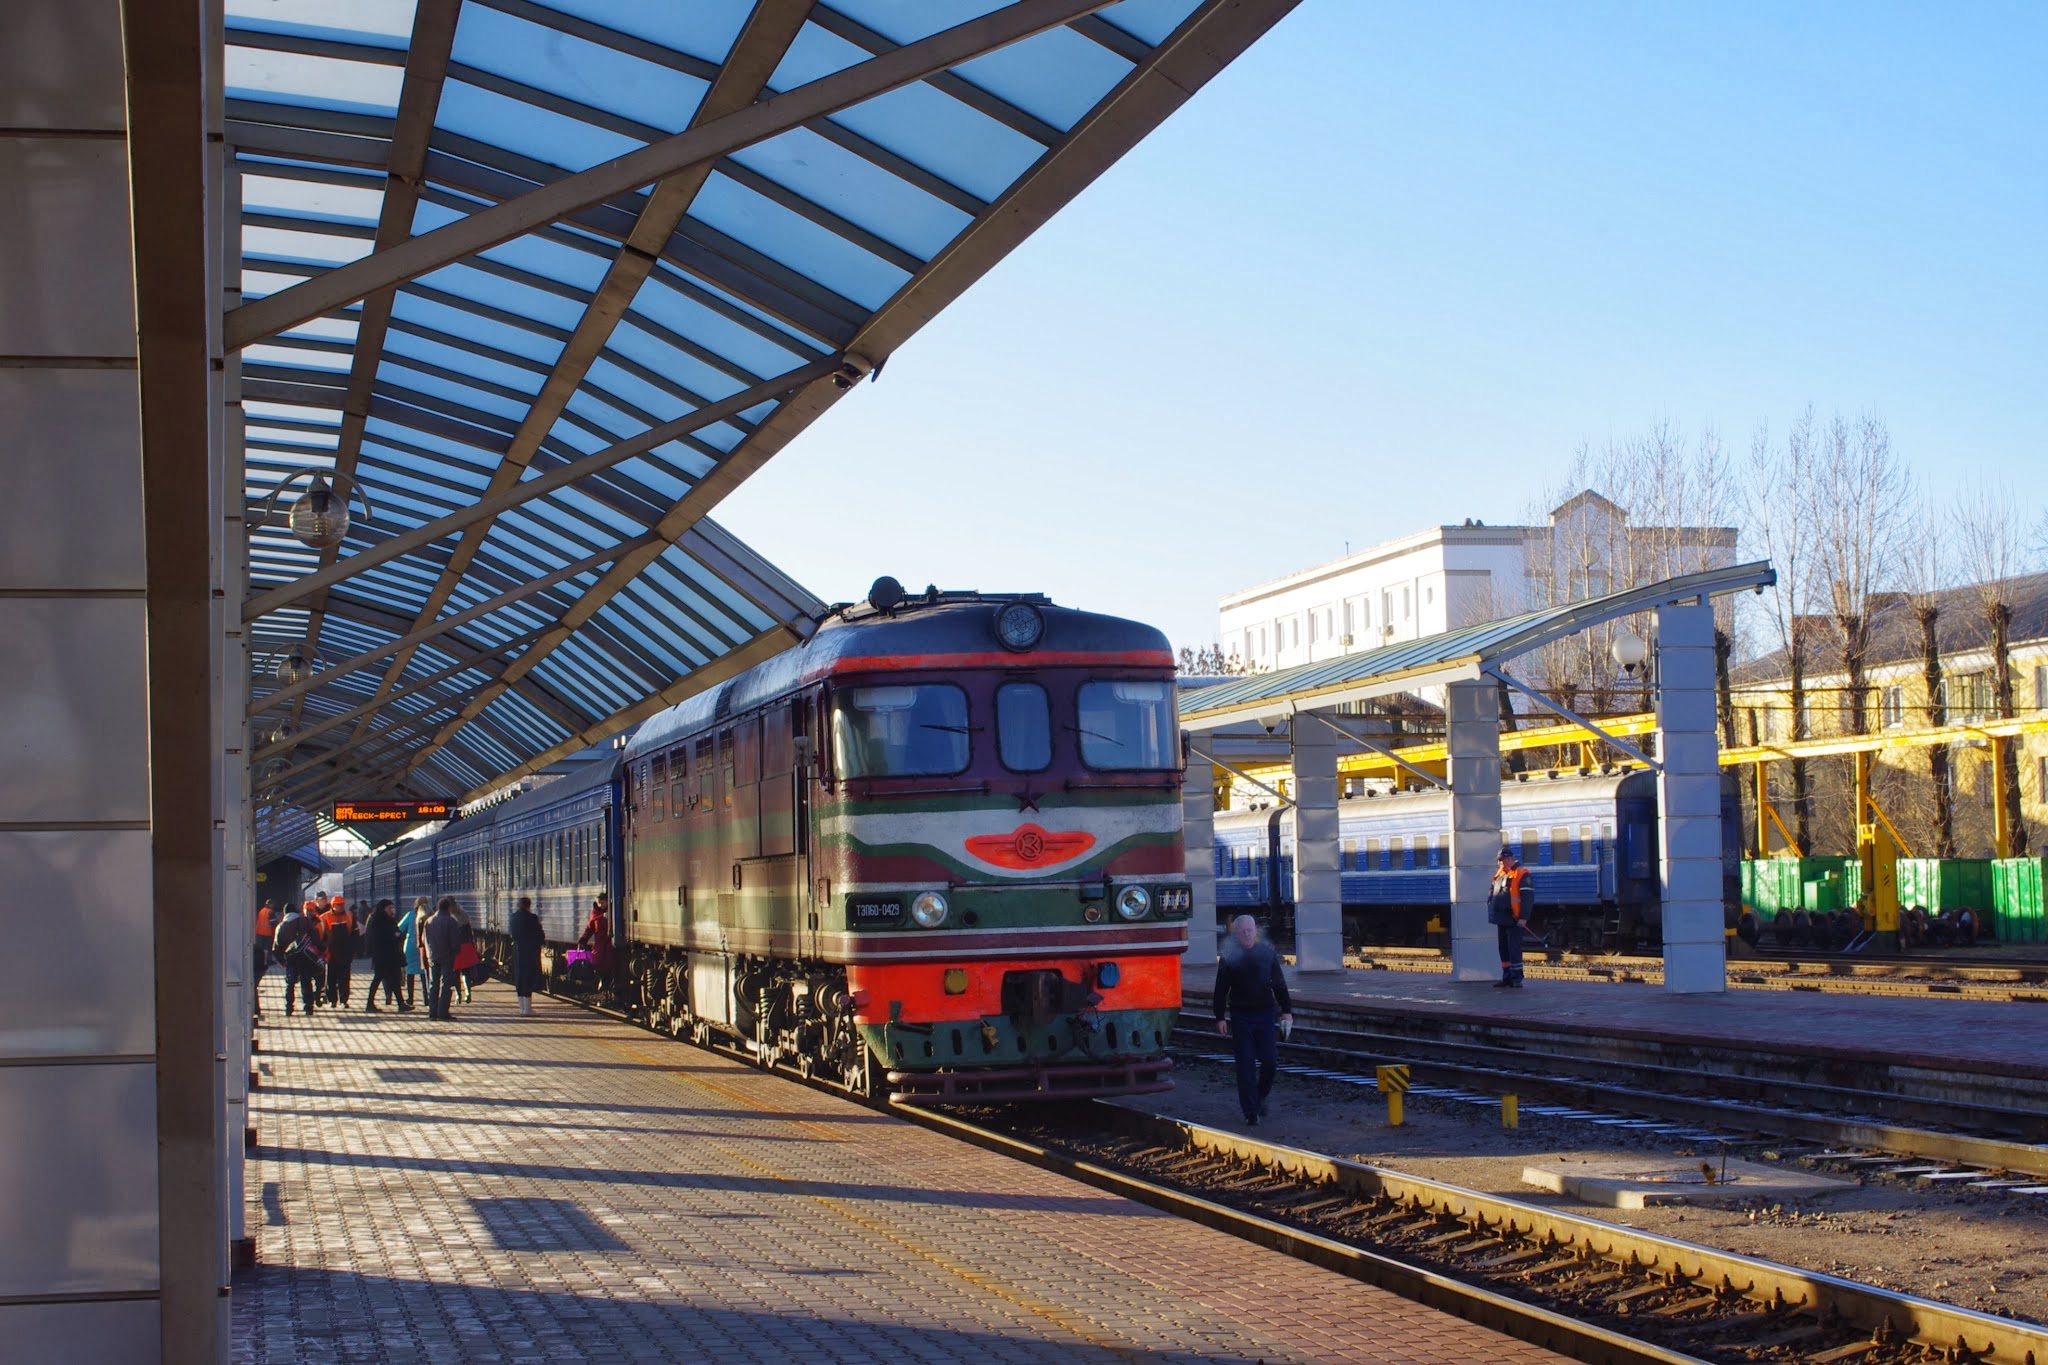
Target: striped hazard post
[1393,1082]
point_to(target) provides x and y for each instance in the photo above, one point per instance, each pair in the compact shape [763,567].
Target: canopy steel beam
[480,231]
[1575,718]
[760,47]
[451,622]
[1203,45]
[1381,750]
[514,494]
[419,101]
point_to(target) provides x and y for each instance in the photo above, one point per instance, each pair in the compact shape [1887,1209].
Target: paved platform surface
[568,1188]
[1994,1037]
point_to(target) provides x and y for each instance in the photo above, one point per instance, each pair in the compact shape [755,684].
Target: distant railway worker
[1251,1003]
[297,946]
[387,957]
[1508,907]
[339,930]
[410,926]
[597,937]
[266,929]
[526,944]
[440,941]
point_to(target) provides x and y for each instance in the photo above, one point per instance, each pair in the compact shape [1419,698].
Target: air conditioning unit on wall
[1344,640]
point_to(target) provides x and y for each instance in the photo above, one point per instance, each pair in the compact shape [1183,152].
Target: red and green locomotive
[934,852]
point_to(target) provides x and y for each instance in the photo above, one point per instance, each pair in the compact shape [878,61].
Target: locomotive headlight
[929,909]
[1019,626]
[1133,901]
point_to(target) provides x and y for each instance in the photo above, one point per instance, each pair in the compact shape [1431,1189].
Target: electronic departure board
[389,812]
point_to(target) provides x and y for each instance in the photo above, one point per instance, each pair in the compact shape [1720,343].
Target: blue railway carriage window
[916,730]
[1372,855]
[1560,844]
[1023,727]
[1128,725]
[1587,853]
[1348,859]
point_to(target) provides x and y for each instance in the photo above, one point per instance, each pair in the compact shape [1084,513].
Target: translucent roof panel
[532,284]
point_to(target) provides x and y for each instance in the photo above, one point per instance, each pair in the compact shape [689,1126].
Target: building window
[1969,696]
[1407,603]
[2041,689]
[1350,625]
[1892,707]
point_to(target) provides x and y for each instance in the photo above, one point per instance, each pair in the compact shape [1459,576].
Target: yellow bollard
[1393,1081]
[1510,1111]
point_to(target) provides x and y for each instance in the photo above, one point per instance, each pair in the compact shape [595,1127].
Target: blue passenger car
[1590,844]
[559,845]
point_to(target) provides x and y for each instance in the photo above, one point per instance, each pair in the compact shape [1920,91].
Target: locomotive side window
[901,731]
[1128,725]
[1023,727]
[678,778]
[704,772]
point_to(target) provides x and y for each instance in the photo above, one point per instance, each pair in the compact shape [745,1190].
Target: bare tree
[1993,539]
[1856,493]
[1926,570]
[1780,511]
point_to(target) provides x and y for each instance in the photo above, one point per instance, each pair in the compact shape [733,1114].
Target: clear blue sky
[1396,264]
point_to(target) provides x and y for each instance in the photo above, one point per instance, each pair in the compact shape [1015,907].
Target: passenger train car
[1590,843]
[935,851]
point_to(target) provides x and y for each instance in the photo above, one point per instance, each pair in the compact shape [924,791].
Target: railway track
[1728,1108]
[1589,1289]
[2020,979]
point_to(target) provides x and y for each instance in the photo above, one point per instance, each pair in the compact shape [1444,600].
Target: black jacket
[387,946]
[1248,980]
[527,939]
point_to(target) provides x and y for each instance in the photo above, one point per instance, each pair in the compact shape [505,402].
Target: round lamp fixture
[1019,626]
[295,667]
[1630,650]
[1133,901]
[320,518]
[885,593]
[282,731]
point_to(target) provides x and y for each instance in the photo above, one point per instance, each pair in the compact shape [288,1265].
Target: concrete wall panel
[60,66]
[74,732]
[78,1210]
[71,480]
[85,903]
[66,286]
[81,1333]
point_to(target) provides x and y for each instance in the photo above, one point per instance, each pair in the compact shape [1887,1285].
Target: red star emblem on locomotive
[1029,846]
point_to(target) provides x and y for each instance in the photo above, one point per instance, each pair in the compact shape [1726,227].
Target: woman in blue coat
[410,925]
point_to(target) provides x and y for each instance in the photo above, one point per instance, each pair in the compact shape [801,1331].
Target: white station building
[1448,577]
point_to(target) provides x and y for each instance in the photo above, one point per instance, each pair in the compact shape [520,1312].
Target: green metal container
[1773,884]
[1823,894]
[1946,883]
[2017,900]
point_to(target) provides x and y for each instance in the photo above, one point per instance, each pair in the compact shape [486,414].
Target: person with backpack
[297,946]
[1508,907]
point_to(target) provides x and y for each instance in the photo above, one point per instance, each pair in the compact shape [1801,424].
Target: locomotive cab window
[1023,727]
[1128,725]
[916,730]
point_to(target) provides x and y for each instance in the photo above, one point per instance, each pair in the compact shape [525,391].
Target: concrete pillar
[1318,899]
[1472,722]
[1689,801]
[1198,835]
[109,1231]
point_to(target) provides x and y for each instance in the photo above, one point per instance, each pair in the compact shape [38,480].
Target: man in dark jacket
[526,945]
[297,946]
[387,957]
[438,945]
[1251,1003]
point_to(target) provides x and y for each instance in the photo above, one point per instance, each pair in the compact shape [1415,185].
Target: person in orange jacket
[1508,907]
[339,930]
[266,926]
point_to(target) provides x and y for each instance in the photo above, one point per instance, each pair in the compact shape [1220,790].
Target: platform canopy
[549,280]
[1462,655]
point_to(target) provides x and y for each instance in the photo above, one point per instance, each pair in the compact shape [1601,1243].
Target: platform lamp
[295,667]
[319,518]
[1631,651]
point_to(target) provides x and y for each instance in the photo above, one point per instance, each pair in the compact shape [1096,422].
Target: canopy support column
[1198,837]
[1689,797]
[1472,732]
[1318,900]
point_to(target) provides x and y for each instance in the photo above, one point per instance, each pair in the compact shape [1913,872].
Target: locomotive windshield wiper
[949,729]
[1095,734]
